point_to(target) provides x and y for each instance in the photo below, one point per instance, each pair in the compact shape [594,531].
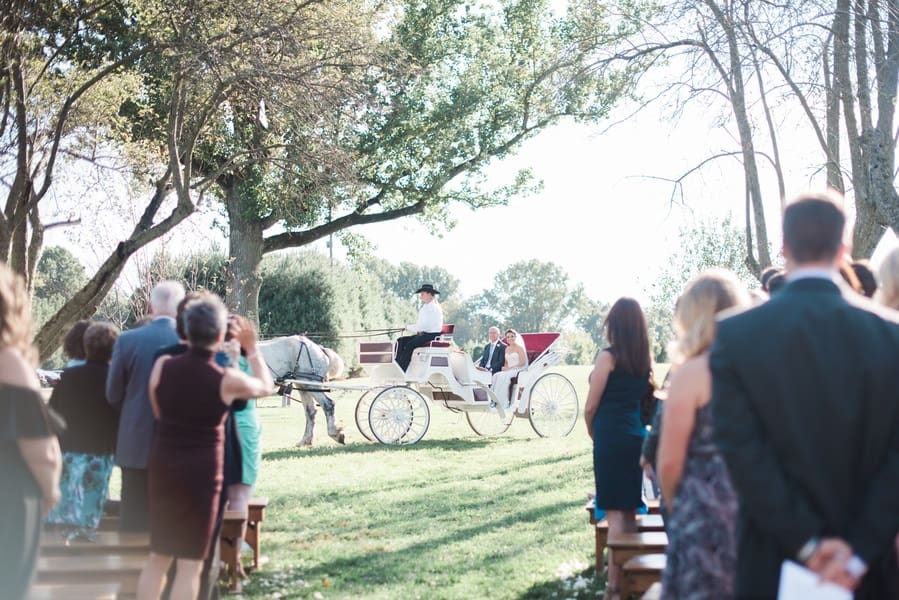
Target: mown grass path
[455,516]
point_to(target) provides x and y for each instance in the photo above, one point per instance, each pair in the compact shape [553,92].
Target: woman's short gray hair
[204,320]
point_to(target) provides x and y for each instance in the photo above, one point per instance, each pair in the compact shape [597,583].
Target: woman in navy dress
[190,395]
[621,377]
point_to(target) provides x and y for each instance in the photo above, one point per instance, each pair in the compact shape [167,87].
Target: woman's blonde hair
[888,273]
[15,314]
[703,299]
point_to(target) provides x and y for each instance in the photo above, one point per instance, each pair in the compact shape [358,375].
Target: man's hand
[831,561]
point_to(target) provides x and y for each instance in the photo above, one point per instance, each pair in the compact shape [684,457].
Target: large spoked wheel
[362,407]
[398,415]
[487,423]
[553,407]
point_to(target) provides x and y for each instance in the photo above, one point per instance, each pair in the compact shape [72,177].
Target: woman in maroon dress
[190,395]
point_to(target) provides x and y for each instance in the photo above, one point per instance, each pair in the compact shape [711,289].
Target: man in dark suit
[127,390]
[806,414]
[494,355]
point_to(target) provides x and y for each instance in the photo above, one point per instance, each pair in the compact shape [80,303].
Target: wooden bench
[105,543]
[84,591]
[255,517]
[233,527]
[78,570]
[654,592]
[640,573]
[625,546]
[645,524]
[109,523]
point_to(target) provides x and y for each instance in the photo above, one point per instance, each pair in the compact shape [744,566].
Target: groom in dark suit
[806,414]
[494,355]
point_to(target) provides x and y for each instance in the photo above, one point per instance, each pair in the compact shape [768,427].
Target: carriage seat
[446,336]
[462,367]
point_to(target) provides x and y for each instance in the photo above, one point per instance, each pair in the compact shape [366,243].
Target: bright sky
[599,216]
[602,214]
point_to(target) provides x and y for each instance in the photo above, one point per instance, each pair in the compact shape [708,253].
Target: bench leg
[601,536]
[230,554]
[253,531]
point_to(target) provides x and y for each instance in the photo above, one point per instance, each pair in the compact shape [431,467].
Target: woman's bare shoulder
[692,380]
[15,370]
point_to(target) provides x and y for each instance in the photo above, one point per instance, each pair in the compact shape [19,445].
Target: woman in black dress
[620,378]
[29,453]
[88,442]
[190,395]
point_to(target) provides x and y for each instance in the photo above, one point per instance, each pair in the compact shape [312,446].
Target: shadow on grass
[580,585]
[378,566]
[455,445]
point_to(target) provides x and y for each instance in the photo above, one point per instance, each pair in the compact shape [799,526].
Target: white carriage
[394,410]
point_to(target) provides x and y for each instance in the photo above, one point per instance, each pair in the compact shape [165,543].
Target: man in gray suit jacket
[127,390]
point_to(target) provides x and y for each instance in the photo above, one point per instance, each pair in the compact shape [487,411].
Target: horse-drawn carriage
[394,410]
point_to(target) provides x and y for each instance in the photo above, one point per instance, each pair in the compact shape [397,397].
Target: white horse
[298,357]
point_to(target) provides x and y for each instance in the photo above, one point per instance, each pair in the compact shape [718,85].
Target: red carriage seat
[537,343]
[446,336]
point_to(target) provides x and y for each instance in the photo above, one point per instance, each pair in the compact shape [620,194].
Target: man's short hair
[164,298]
[813,227]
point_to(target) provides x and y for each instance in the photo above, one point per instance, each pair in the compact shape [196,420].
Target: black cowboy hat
[427,287]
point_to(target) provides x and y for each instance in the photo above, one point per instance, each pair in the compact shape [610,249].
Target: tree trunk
[736,91]
[245,250]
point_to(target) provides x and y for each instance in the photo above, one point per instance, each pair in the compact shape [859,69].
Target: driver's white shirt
[430,318]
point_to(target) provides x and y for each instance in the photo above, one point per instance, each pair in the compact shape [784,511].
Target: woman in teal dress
[29,453]
[248,430]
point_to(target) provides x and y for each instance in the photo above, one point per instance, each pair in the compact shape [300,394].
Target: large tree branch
[294,239]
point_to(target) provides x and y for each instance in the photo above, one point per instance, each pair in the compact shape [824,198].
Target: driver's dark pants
[407,344]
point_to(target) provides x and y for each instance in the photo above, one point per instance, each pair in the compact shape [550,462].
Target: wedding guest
[232,467]
[701,503]
[766,276]
[29,451]
[73,343]
[88,442]
[776,282]
[802,390]
[249,429]
[515,360]
[126,390]
[865,277]
[190,395]
[622,375]
[888,292]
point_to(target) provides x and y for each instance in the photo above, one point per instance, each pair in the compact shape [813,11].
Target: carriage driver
[428,327]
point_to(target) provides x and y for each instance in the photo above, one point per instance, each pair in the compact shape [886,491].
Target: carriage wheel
[398,415]
[553,406]
[362,407]
[488,423]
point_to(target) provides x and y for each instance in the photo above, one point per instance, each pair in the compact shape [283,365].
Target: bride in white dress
[516,360]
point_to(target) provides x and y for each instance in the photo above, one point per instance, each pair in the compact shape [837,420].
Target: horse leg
[309,406]
[333,430]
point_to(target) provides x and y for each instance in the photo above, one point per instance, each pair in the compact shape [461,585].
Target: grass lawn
[454,516]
